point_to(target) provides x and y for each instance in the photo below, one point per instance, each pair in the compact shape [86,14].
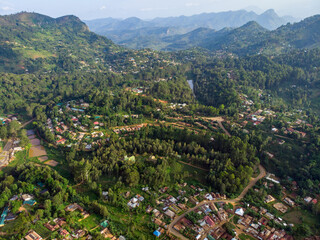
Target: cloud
[192,4]
[147,9]
[103,7]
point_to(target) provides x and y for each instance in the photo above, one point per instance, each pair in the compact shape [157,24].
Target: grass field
[301,216]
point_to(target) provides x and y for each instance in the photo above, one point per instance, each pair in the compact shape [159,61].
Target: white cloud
[192,4]
[103,8]
[147,9]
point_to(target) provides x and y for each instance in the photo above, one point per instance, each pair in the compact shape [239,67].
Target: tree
[3,132]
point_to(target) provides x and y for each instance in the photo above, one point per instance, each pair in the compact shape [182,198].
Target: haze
[147,9]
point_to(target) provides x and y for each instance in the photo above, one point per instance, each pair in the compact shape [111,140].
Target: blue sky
[146,9]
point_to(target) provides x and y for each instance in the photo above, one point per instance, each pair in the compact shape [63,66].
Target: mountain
[253,39]
[137,33]
[30,41]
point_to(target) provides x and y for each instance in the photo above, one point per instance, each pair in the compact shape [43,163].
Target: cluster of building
[135,201]
[8,119]
[8,216]
[127,129]
[75,131]
[258,227]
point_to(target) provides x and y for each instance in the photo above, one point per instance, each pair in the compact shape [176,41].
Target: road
[252,182]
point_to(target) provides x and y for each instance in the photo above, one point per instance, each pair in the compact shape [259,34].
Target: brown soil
[43,158]
[51,163]
[37,151]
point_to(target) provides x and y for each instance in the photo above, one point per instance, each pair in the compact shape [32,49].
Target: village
[192,212]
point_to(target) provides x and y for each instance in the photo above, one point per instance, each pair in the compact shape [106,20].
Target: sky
[148,9]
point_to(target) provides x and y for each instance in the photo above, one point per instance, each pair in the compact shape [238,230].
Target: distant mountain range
[31,41]
[137,33]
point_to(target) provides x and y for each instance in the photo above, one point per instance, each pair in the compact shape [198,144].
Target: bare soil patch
[43,158]
[32,137]
[51,163]
[30,132]
[37,151]
[35,142]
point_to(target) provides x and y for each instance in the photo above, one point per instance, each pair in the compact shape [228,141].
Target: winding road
[252,182]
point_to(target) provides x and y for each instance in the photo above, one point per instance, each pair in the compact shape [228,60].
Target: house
[30,202]
[60,222]
[159,222]
[156,212]
[149,209]
[263,221]
[104,224]
[61,141]
[73,207]
[26,197]
[170,214]
[50,227]
[3,216]
[88,147]
[179,227]
[106,233]
[157,233]
[269,199]
[32,235]
[79,233]
[239,212]
[271,177]
[289,202]
[307,199]
[270,155]
[209,221]
[280,207]
[64,233]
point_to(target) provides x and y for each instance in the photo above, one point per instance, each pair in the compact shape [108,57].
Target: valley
[99,141]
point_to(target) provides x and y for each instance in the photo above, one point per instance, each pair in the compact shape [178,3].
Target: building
[170,214]
[269,199]
[3,216]
[32,235]
[239,212]
[289,201]
[157,233]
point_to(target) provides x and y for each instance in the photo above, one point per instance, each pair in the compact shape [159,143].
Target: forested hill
[31,41]
[251,39]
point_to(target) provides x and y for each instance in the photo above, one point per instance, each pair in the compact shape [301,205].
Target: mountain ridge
[125,31]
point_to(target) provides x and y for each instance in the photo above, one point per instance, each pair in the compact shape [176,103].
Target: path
[252,182]
[222,127]
[189,164]
[26,123]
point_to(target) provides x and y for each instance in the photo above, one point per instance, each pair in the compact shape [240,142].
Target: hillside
[30,41]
